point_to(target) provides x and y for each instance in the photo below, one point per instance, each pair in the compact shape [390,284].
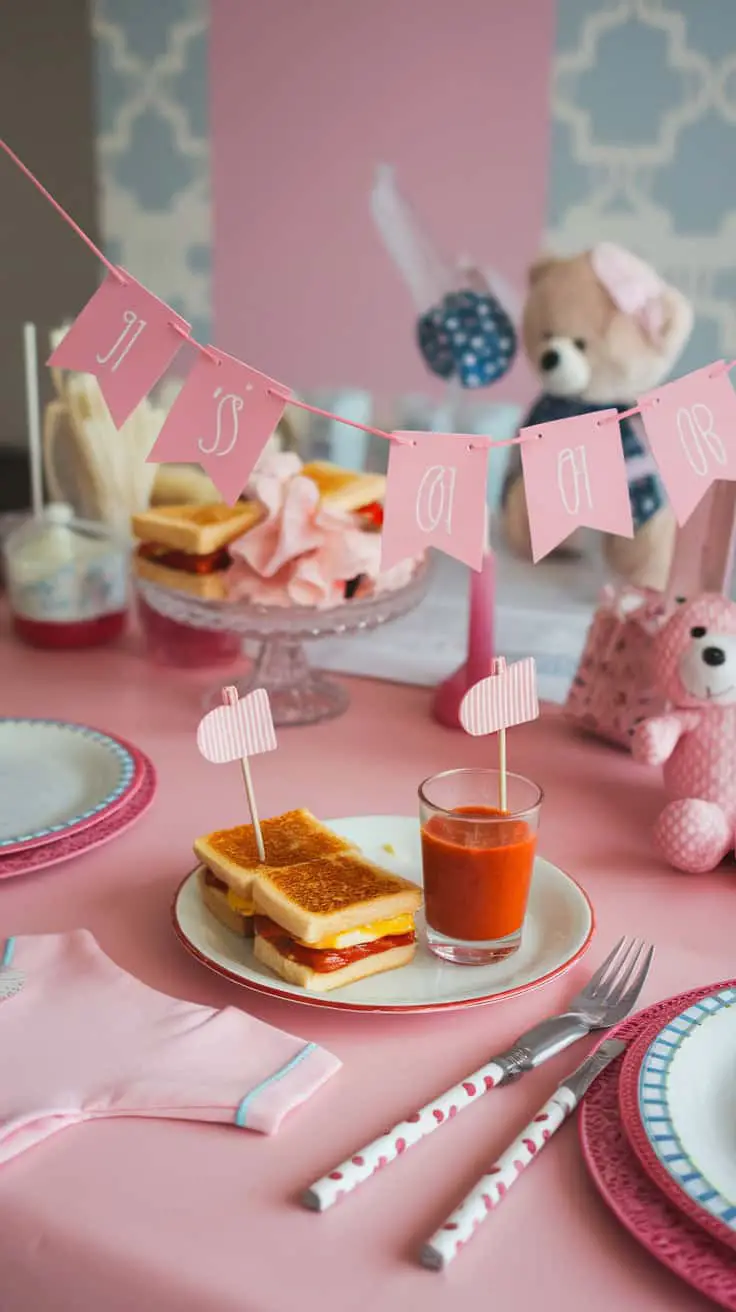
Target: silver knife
[444,1245]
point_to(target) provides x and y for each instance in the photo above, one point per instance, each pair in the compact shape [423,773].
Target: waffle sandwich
[345,490]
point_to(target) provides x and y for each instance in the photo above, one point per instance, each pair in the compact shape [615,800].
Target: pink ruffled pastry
[302,554]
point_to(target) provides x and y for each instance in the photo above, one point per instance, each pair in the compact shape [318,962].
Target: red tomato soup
[472,890]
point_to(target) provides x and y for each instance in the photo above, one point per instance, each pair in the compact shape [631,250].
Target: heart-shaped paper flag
[242,728]
[503,699]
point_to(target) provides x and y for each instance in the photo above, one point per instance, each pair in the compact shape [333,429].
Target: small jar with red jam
[67,580]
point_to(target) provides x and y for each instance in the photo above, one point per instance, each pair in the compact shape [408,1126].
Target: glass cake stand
[298,693]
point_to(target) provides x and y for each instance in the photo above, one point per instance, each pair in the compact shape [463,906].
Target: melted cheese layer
[243,905]
[350,938]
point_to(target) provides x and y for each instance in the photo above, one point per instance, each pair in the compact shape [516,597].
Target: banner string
[351,423]
[60,210]
[480,443]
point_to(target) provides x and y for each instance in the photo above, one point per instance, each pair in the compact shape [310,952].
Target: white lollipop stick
[33,416]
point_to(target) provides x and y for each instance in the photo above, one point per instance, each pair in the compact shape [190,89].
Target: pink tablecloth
[126,1216]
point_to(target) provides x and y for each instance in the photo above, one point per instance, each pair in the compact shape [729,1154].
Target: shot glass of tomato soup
[478,862]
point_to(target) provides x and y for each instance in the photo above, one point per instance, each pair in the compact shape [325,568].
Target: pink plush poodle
[694,661]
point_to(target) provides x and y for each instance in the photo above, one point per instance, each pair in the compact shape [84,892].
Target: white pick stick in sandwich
[242,727]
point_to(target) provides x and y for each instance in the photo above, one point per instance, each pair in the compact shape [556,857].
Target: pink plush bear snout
[694,664]
[707,666]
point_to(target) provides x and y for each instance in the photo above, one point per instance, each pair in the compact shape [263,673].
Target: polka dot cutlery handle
[387,1147]
[446,1243]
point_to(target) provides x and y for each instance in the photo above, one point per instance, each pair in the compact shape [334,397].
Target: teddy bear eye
[580,343]
[698,631]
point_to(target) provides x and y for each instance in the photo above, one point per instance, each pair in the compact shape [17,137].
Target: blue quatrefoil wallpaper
[642,117]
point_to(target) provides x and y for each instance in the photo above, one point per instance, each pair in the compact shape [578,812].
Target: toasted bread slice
[326,896]
[345,489]
[182,485]
[216,901]
[323,981]
[289,839]
[208,587]
[198,530]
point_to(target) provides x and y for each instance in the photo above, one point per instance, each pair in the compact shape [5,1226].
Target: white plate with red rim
[558,930]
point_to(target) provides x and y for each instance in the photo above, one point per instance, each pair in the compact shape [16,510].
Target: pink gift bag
[612,689]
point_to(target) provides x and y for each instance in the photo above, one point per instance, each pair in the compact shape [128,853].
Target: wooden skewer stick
[499,665]
[230,698]
[502,788]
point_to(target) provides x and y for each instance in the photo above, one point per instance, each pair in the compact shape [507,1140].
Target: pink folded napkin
[81,1039]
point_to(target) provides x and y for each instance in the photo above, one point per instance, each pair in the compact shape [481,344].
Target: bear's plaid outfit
[645,490]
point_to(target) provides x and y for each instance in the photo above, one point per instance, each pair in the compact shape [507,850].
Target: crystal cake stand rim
[295,623]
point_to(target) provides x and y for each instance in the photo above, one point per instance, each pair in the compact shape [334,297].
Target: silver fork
[605,1000]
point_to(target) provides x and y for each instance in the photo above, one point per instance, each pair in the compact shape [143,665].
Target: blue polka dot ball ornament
[469,337]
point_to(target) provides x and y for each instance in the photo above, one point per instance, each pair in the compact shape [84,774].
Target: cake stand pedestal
[298,694]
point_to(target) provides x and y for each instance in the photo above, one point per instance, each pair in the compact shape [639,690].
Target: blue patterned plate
[57,777]
[687,1109]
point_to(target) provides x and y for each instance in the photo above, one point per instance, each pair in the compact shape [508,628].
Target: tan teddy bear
[600,329]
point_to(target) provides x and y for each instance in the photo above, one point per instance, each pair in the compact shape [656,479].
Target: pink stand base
[449,694]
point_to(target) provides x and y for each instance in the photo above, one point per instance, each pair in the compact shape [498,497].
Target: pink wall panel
[307,96]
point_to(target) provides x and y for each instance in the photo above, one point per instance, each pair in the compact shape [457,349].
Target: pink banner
[127,338]
[222,418]
[435,497]
[575,477]
[691,429]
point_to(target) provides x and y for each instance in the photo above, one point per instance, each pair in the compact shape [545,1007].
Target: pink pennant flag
[243,727]
[127,338]
[435,497]
[575,477]
[222,418]
[691,429]
[501,700]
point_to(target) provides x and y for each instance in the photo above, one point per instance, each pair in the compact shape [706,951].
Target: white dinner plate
[687,1108]
[56,778]
[558,929]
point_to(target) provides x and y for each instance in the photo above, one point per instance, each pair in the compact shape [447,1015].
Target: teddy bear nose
[550,360]
[714,656]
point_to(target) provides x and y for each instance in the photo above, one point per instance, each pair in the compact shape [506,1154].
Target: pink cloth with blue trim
[81,1039]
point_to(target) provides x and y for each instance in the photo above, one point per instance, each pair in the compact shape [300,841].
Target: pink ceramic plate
[675,1240]
[38,858]
[628,1093]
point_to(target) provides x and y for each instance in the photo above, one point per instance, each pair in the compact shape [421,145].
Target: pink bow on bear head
[632,285]
[694,655]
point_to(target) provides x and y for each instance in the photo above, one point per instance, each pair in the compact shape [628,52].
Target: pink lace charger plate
[104,830]
[655,1066]
[677,1241]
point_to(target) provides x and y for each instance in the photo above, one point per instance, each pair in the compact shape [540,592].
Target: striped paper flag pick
[503,699]
[242,727]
